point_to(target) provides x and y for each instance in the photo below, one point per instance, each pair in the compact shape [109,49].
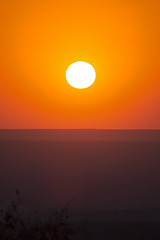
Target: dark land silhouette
[110,178]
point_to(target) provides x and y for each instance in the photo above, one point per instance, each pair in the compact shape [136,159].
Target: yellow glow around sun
[80,75]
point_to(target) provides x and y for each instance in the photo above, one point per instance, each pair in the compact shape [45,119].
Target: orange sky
[40,39]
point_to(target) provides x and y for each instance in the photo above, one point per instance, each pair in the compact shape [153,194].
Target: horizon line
[121,129]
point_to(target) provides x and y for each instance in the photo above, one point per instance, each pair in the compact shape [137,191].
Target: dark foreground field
[94,177]
[119,231]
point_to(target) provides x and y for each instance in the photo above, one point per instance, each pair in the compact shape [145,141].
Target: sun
[80,75]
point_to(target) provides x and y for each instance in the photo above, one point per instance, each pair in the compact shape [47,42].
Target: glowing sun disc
[80,75]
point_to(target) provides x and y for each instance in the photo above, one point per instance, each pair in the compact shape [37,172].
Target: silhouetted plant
[13,226]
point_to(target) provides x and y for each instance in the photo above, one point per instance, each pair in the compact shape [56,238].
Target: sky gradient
[40,39]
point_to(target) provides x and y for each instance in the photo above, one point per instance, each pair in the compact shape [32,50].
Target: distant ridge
[78,135]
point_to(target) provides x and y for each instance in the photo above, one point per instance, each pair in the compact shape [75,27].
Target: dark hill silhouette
[98,174]
[100,170]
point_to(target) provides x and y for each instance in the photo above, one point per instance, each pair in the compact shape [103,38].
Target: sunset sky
[41,38]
